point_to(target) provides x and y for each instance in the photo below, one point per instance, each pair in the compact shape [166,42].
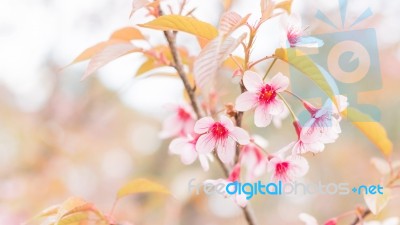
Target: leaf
[285,5]
[52,210]
[306,66]
[107,55]
[127,34]
[183,23]
[381,165]
[230,21]
[75,205]
[148,65]
[231,64]
[377,202]
[141,186]
[74,218]
[373,130]
[91,51]
[212,56]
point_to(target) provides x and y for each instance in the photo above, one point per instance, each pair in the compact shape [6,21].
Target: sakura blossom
[310,220]
[262,96]
[221,135]
[304,143]
[388,221]
[180,123]
[295,35]
[324,122]
[239,197]
[254,161]
[185,147]
[287,169]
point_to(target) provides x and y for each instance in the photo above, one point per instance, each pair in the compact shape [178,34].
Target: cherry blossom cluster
[199,139]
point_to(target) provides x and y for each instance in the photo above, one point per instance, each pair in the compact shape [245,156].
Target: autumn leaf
[285,5]
[141,186]
[212,56]
[230,21]
[127,34]
[75,205]
[107,55]
[306,66]
[373,130]
[183,23]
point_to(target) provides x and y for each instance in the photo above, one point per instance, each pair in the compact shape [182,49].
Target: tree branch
[179,68]
[365,214]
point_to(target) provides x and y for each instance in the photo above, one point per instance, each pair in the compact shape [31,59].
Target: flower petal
[172,126]
[202,125]
[246,101]
[226,150]
[204,162]
[276,107]
[240,135]
[226,122]
[177,145]
[252,81]
[262,118]
[298,165]
[205,144]
[189,154]
[279,82]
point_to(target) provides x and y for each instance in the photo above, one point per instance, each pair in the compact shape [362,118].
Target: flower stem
[288,107]
[269,68]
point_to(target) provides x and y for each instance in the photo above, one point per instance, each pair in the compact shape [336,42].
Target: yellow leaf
[373,130]
[141,186]
[74,218]
[145,67]
[75,205]
[231,64]
[183,23]
[127,34]
[285,5]
[306,66]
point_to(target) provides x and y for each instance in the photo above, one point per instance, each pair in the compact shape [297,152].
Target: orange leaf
[127,34]
[141,186]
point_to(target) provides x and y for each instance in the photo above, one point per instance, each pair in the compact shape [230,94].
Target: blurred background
[62,137]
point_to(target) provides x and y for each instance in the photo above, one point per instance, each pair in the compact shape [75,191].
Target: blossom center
[219,131]
[267,93]
[183,115]
[293,37]
[282,168]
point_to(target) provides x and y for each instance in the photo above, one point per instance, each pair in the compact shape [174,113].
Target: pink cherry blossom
[180,123]
[324,122]
[306,144]
[221,135]
[186,148]
[254,161]
[262,96]
[287,169]
[234,176]
[295,35]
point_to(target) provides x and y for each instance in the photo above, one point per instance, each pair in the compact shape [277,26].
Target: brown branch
[362,216]
[179,68]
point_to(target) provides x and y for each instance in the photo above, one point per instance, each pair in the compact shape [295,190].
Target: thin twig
[362,216]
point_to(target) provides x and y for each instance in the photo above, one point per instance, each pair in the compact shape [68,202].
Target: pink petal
[205,144]
[202,125]
[252,81]
[177,145]
[241,200]
[188,155]
[279,82]
[298,165]
[246,101]
[228,124]
[226,150]
[240,135]
[262,118]
[172,126]
[276,107]
[204,162]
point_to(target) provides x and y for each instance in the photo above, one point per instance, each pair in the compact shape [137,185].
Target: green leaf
[141,186]
[306,66]
[183,23]
[373,130]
